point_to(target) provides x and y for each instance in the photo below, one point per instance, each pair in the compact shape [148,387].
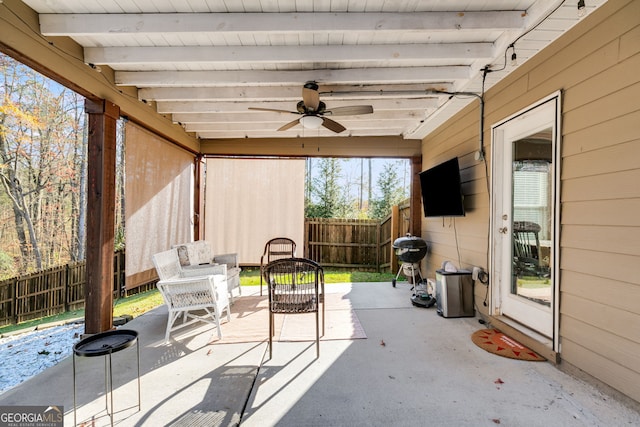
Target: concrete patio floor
[415,368]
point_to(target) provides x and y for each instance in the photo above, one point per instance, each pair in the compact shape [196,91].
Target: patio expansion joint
[253,384]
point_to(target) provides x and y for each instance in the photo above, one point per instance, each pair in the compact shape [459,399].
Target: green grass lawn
[534,282]
[138,304]
[251,277]
[134,306]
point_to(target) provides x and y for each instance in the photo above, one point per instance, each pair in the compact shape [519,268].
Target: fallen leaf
[209,352]
[382,343]
[499,381]
[496,420]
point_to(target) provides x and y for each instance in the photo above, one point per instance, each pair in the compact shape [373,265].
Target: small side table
[105,344]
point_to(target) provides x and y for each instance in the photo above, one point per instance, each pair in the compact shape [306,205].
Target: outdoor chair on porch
[199,255]
[526,248]
[278,248]
[187,292]
[294,285]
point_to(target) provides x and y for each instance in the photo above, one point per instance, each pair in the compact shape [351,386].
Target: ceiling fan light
[311,122]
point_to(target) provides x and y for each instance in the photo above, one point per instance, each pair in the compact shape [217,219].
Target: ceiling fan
[313,111]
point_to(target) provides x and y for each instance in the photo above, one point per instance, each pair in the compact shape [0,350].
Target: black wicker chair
[295,285]
[278,248]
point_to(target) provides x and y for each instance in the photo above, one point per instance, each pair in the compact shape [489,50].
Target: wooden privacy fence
[352,243]
[356,243]
[48,292]
[336,243]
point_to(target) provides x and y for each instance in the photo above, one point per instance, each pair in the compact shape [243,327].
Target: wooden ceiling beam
[426,53]
[249,117]
[150,23]
[299,132]
[291,92]
[248,78]
[358,124]
[188,107]
[369,146]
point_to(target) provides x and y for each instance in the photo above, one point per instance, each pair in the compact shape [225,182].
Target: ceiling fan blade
[332,125]
[289,125]
[273,110]
[310,96]
[352,110]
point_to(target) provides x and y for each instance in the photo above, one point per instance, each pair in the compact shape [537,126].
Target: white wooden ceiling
[205,62]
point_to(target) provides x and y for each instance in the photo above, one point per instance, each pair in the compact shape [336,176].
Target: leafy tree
[330,193]
[325,196]
[390,189]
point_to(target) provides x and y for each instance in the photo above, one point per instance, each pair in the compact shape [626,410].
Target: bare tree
[12,149]
[79,184]
[41,166]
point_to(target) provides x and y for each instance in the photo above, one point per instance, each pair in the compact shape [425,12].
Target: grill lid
[409,242]
[410,248]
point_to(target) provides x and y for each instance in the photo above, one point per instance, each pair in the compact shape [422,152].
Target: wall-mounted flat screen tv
[441,190]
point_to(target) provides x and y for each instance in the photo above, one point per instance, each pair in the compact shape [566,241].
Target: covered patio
[441,86]
[413,368]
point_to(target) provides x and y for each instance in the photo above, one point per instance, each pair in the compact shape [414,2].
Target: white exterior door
[524,224]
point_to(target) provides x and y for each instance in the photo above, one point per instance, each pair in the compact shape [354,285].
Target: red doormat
[494,341]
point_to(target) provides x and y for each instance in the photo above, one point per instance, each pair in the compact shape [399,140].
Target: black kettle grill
[410,250]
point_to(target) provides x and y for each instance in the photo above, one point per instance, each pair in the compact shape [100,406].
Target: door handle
[503,230]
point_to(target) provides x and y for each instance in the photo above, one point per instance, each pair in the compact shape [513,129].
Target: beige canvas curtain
[249,201]
[158,200]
